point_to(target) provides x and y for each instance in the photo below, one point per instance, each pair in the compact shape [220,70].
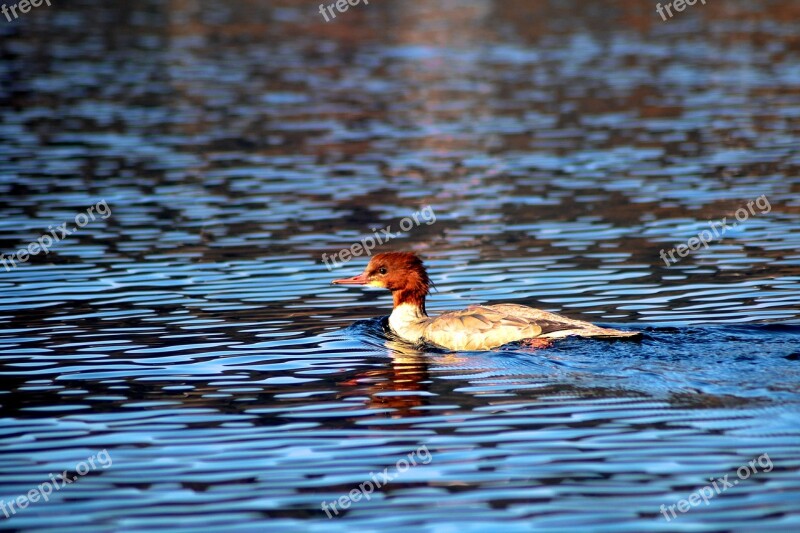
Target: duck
[477,328]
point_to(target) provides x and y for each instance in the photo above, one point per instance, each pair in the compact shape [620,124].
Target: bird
[477,328]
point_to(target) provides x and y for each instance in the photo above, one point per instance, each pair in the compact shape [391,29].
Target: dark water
[194,335]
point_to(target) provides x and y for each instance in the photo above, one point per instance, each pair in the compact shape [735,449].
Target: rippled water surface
[194,335]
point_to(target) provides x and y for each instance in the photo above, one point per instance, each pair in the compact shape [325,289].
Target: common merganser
[479,327]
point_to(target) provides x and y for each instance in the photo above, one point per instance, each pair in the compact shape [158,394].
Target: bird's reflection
[402,386]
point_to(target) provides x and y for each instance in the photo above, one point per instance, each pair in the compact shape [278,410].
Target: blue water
[194,336]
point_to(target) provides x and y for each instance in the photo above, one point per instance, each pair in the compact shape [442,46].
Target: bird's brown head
[403,273]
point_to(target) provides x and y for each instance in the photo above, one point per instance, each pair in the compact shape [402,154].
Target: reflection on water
[194,334]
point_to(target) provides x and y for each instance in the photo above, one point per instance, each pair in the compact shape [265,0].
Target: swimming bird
[479,327]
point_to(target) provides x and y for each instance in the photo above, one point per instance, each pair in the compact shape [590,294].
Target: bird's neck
[412,301]
[408,317]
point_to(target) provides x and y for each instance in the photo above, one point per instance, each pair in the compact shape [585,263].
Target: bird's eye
[382,271]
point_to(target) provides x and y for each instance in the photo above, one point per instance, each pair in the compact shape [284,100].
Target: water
[194,335]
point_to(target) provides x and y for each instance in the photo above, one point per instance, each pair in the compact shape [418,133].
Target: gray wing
[556,326]
[479,328]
